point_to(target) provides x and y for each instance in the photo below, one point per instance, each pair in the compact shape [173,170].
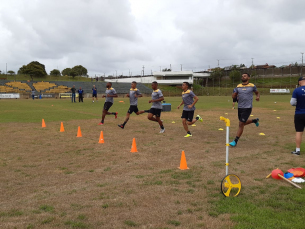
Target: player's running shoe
[116,115]
[199,118]
[120,125]
[296,153]
[188,135]
[101,124]
[233,143]
[257,123]
[162,131]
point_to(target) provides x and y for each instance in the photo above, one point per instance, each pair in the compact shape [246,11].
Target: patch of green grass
[46,208]
[105,206]
[48,220]
[182,175]
[107,169]
[11,213]
[174,222]
[76,224]
[130,223]
[82,217]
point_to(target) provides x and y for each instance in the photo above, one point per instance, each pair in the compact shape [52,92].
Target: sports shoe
[233,108]
[162,131]
[296,153]
[257,123]
[188,135]
[101,124]
[120,125]
[116,115]
[199,118]
[233,143]
[93,101]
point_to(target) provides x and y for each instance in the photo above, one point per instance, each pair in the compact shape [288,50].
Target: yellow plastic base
[230,185]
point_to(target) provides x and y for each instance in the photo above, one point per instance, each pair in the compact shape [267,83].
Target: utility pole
[181,67]
[143,70]
[6,68]
[302,63]
[252,62]
[116,73]
[218,63]
[160,68]
[170,66]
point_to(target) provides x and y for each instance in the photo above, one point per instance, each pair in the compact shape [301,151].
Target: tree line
[36,69]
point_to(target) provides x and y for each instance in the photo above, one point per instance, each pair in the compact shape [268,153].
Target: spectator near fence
[73,89]
[80,95]
[33,94]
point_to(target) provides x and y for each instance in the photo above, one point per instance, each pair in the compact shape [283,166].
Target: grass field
[51,179]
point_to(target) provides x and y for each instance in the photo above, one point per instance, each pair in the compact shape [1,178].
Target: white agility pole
[227,121]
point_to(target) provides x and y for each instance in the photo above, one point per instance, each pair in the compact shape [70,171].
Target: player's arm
[293,101]
[195,101]
[257,95]
[234,95]
[180,104]
[138,94]
[156,100]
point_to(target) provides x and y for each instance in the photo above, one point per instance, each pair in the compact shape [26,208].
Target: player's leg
[243,115]
[151,114]
[126,120]
[160,124]
[299,123]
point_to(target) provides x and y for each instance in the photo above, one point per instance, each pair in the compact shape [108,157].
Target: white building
[168,78]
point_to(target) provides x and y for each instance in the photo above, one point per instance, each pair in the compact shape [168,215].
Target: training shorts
[107,105]
[188,115]
[244,114]
[133,108]
[299,122]
[155,111]
[94,95]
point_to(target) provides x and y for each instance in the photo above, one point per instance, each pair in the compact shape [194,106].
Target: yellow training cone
[261,134]
[173,121]
[274,110]
[226,113]
[251,115]
[278,117]
[193,125]
[220,129]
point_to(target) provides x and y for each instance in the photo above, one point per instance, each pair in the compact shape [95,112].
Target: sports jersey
[94,91]
[156,94]
[187,97]
[299,95]
[134,100]
[245,94]
[80,91]
[110,91]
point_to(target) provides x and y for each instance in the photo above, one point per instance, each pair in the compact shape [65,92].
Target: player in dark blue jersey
[298,100]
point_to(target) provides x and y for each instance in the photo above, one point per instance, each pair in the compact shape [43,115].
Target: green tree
[55,72]
[73,73]
[66,72]
[217,73]
[34,68]
[80,70]
[235,75]
[11,72]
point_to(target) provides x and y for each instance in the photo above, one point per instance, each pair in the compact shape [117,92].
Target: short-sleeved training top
[156,94]
[134,100]
[80,91]
[299,95]
[94,91]
[110,91]
[187,97]
[245,94]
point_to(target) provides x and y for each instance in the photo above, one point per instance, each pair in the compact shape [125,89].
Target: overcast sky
[118,36]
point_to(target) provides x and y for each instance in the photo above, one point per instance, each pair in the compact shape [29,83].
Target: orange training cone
[101,140]
[134,146]
[79,133]
[62,129]
[183,164]
[43,124]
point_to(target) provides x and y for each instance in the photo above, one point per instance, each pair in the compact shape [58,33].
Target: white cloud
[105,36]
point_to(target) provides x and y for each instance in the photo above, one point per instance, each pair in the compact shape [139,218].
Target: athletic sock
[113,113]
[189,132]
[162,127]
[297,150]
[236,139]
[254,120]
[102,121]
[146,111]
[197,118]
[124,124]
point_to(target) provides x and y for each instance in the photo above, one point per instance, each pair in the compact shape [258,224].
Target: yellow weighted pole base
[230,185]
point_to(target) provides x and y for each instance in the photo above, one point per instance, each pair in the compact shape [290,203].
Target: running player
[189,99]
[244,91]
[110,94]
[155,111]
[133,95]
